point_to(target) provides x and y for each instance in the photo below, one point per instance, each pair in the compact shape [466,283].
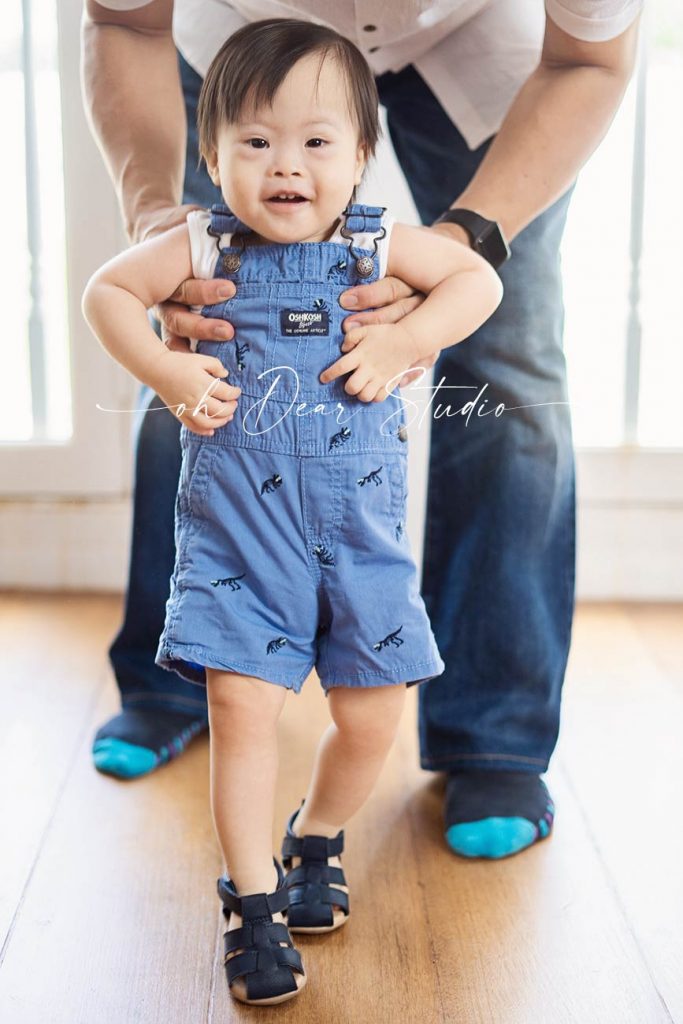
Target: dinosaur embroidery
[276,645]
[374,476]
[240,352]
[391,638]
[337,271]
[324,554]
[321,305]
[271,484]
[229,581]
[339,438]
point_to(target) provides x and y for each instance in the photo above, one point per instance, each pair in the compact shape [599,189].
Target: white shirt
[474,54]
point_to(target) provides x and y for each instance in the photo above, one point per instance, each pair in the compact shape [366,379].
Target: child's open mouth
[287,197]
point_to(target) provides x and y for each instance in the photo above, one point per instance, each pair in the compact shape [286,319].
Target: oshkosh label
[304,321]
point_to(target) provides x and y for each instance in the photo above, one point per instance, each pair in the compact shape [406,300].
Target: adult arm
[134,102]
[554,124]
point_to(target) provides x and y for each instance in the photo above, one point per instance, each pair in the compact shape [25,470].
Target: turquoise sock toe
[125,760]
[492,837]
[138,740]
[491,813]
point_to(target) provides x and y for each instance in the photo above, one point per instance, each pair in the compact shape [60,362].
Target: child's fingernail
[349,300]
[224,292]
[352,324]
[222,332]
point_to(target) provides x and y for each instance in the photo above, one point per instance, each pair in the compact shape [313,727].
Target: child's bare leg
[243,715]
[349,759]
[350,756]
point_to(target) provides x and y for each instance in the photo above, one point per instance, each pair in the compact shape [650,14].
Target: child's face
[306,144]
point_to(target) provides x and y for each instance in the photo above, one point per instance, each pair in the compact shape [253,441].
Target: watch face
[492,245]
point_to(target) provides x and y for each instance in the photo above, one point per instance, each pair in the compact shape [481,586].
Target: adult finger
[379,293]
[199,291]
[385,314]
[174,343]
[179,320]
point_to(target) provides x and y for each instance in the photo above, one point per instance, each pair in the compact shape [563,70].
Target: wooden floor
[108,912]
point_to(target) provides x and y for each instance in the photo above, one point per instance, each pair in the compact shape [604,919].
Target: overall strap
[224,222]
[361,219]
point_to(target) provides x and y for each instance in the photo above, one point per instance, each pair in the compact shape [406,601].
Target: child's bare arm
[115,302]
[462,290]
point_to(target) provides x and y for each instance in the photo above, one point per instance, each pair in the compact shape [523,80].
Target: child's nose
[286,163]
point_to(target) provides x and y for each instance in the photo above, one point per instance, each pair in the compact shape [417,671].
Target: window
[60,222]
[622,259]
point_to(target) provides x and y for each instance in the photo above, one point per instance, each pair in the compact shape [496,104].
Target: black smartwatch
[486,236]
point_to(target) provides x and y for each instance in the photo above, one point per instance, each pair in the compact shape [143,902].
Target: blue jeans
[498,578]
[498,575]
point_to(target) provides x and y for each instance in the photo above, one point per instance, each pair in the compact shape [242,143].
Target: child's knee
[242,702]
[367,715]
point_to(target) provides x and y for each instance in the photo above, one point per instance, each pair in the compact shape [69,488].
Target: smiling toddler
[291,546]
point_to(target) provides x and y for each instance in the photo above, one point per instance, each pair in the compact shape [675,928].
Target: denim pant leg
[157,467]
[498,578]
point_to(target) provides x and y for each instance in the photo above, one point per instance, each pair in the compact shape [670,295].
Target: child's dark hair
[254,61]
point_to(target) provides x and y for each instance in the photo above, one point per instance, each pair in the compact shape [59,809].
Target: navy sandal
[315,904]
[255,951]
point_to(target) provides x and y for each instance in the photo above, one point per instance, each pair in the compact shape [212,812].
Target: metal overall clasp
[364,264]
[230,261]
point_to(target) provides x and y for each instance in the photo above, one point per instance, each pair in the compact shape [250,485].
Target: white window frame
[95,461]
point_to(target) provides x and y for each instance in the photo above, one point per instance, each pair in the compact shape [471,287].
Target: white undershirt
[474,54]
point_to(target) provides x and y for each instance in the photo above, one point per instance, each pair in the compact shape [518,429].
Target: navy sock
[496,813]
[138,740]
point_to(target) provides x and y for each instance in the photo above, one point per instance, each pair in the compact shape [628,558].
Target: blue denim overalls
[291,549]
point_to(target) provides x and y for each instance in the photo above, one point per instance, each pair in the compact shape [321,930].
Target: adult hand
[178,323]
[392,299]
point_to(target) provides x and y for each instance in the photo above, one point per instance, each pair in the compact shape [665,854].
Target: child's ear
[361,160]
[212,167]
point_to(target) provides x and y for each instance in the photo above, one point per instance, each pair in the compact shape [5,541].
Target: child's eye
[316,143]
[255,143]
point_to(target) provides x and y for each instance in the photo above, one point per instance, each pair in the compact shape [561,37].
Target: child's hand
[190,385]
[376,355]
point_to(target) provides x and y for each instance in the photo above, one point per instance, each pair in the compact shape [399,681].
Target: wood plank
[621,750]
[660,627]
[120,910]
[54,666]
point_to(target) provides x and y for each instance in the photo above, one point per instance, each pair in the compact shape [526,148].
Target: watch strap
[486,236]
